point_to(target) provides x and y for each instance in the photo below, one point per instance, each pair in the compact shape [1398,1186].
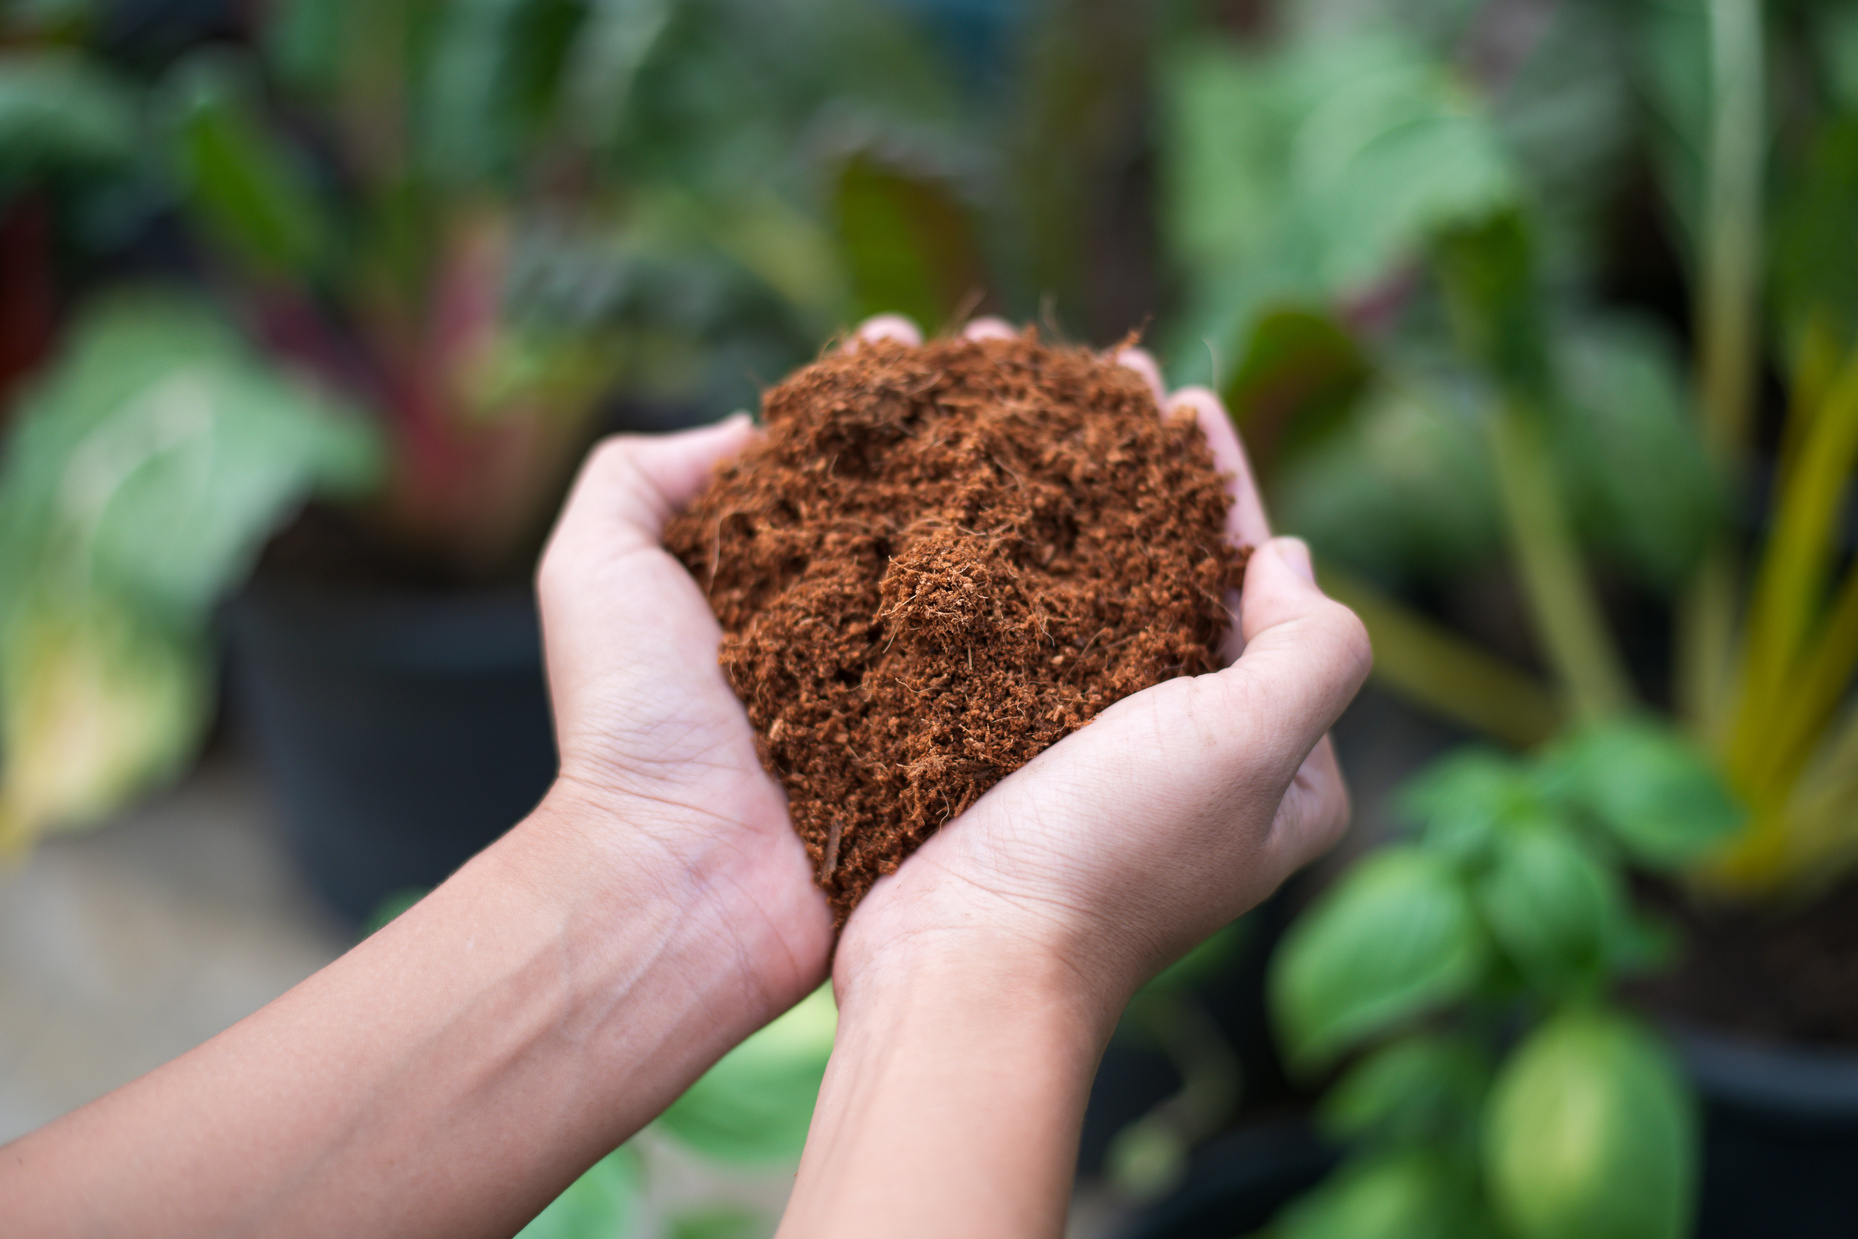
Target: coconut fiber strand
[940,561]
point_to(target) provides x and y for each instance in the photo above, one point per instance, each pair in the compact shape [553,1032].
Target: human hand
[658,758]
[1173,812]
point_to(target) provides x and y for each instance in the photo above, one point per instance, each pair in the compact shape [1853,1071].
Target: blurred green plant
[471,222]
[1496,1091]
[145,469]
[751,1109]
[1462,399]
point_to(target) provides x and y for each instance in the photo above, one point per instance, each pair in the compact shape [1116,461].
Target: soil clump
[940,561]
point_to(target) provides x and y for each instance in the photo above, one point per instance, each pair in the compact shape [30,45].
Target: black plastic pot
[1780,1132]
[400,733]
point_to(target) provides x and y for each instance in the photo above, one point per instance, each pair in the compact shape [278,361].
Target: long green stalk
[1566,612]
[1440,670]
[1728,285]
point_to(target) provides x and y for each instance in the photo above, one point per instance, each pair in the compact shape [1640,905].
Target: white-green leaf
[1591,1134]
[1396,937]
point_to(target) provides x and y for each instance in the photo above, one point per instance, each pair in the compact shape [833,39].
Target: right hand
[1175,811]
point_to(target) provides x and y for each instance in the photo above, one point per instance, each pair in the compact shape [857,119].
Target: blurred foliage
[1469,967]
[144,470]
[751,1109]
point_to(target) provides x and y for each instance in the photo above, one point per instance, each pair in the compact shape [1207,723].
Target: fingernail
[1295,553]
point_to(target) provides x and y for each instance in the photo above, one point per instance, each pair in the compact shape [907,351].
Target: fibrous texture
[940,561]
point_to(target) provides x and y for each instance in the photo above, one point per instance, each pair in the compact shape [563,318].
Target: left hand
[657,755]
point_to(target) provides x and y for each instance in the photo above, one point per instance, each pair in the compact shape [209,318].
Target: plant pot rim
[1803,1081]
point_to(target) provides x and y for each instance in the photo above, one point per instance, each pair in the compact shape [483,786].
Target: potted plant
[1452,404]
[436,241]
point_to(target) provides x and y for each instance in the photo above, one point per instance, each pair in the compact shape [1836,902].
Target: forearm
[445,1077]
[952,1103]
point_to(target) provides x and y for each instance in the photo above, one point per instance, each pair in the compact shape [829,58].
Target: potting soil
[940,561]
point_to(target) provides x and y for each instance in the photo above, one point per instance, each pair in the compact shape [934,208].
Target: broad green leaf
[60,110]
[1426,1087]
[1591,1134]
[1311,173]
[1394,938]
[909,242]
[240,176]
[1404,1195]
[755,1104]
[1553,907]
[601,1204]
[1488,272]
[95,706]
[141,477]
[1815,263]
[1630,452]
[1403,489]
[1299,375]
[1462,800]
[1651,788]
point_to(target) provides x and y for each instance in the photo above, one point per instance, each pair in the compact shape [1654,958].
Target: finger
[1142,362]
[631,484]
[1247,523]
[1305,658]
[987,327]
[1314,813]
[886,327]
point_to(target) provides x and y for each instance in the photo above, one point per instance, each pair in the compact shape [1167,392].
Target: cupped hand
[658,758]
[1174,811]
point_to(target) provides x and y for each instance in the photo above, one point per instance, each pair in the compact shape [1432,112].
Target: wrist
[632,889]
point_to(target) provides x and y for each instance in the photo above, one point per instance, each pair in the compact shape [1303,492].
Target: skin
[452,1073]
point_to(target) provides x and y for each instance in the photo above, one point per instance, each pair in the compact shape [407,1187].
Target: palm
[646,721]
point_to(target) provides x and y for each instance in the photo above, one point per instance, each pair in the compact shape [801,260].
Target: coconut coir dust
[943,559]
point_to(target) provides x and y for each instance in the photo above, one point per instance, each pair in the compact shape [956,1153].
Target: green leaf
[1426,1087]
[1554,907]
[1815,263]
[238,175]
[1403,1195]
[1629,448]
[909,242]
[1314,172]
[1394,938]
[1651,788]
[140,480]
[1403,488]
[1298,376]
[60,110]
[1488,273]
[1591,1134]
[756,1104]
[601,1204]
[96,705]
[1464,799]
[720,1223]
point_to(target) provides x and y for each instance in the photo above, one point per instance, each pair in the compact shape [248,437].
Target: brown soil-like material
[1787,974]
[941,561]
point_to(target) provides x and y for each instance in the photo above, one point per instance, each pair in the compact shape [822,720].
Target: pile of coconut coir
[940,561]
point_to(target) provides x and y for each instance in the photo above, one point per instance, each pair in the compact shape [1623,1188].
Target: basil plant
[1496,1089]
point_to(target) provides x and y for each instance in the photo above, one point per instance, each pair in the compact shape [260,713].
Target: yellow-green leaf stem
[1567,615]
[1438,669]
[1824,676]
[1791,583]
